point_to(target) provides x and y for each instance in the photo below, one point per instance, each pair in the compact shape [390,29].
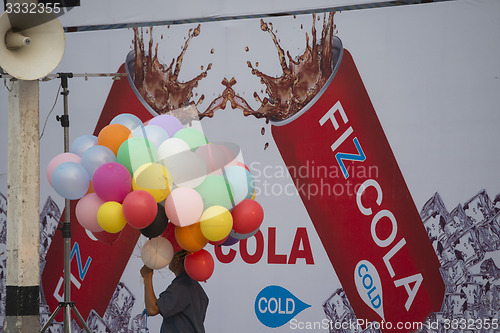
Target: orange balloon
[112,136]
[190,238]
[91,188]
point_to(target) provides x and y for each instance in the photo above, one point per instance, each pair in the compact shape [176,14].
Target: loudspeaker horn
[31,45]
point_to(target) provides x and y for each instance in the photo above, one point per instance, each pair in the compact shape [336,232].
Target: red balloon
[247,216]
[139,209]
[169,234]
[106,237]
[243,165]
[199,265]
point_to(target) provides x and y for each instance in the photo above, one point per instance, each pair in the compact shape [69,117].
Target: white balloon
[171,147]
[157,253]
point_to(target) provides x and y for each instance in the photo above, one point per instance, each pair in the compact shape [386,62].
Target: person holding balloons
[182,305]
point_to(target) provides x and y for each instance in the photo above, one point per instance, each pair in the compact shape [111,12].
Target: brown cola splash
[158,84]
[302,78]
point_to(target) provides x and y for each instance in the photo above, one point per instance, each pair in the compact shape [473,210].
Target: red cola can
[96,265]
[359,203]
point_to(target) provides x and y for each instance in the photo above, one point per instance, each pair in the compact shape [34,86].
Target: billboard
[370,135]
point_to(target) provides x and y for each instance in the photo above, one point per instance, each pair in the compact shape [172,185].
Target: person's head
[177,263]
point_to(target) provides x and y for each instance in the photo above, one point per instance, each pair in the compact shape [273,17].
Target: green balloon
[216,191]
[135,152]
[193,137]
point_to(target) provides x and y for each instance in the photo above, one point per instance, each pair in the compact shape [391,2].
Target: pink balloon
[86,212]
[184,206]
[58,160]
[112,182]
[216,157]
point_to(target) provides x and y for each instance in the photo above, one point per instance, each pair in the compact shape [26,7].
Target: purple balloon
[168,122]
[112,182]
[230,241]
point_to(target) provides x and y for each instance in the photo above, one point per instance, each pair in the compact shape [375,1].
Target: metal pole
[68,305]
[66,229]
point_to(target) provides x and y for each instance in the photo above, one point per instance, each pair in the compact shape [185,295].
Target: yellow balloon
[110,217]
[153,178]
[216,223]
[253,195]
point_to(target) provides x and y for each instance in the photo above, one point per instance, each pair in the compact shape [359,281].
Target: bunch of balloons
[147,174]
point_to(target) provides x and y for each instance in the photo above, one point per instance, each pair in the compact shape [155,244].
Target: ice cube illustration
[454,273]
[457,223]
[471,313]
[479,208]
[490,268]
[138,323]
[96,324]
[496,203]
[337,306]
[75,328]
[49,220]
[454,305]
[434,207]
[3,292]
[445,253]
[480,279]
[117,315]
[3,218]
[467,247]
[433,324]
[473,294]
[489,235]
[338,310]
[491,299]
[55,326]
[434,225]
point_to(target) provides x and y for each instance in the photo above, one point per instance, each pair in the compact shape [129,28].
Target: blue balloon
[128,120]
[96,156]
[155,134]
[82,143]
[242,182]
[70,180]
